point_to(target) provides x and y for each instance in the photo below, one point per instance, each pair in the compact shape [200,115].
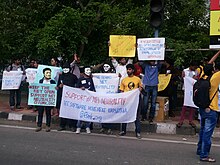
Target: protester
[15,66]
[45,80]
[106,68]
[85,82]
[150,80]
[120,66]
[75,66]
[171,90]
[209,115]
[189,72]
[69,79]
[129,83]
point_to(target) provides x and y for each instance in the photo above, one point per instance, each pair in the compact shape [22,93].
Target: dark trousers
[70,122]
[137,126]
[16,92]
[41,113]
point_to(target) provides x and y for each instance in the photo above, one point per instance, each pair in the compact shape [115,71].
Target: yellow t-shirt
[130,83]
[200,71]
[215,81]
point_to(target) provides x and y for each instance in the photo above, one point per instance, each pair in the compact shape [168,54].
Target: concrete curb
[159,128]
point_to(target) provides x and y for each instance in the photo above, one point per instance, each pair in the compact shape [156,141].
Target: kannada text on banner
[97,107]
[11,80]
[163,81]
[106,82]
[42,94]
[151,48]
[122,46]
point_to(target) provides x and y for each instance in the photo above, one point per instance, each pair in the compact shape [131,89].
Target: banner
[106,82]
[163,81]
[99,107]
[55,72]
[151,48]
[42,94]
[188,92]
[11,80]
[31,74]
[122,46]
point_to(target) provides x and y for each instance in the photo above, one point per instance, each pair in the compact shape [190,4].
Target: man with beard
[69,79]
[129,83]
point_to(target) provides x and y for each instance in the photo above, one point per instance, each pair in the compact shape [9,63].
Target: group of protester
[142,75]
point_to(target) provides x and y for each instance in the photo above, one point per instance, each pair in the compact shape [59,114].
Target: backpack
[201,96]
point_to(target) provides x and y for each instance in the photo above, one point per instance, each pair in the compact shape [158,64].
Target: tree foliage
[42,29]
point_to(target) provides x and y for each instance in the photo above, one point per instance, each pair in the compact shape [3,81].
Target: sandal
[208,159]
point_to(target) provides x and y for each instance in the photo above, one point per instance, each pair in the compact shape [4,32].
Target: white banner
[98,107]
[188,92]
[11,80]
[31,74]
[151,48]
[106,82]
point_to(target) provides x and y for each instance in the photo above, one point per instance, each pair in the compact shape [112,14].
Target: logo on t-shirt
[131,85]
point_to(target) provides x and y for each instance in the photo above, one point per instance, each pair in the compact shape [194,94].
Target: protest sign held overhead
[122,46]
[151,48]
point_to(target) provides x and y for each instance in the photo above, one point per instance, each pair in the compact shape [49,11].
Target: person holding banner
[45,80]
[129,83]
[85,82]
[15,66]
[69,79]
[150,80]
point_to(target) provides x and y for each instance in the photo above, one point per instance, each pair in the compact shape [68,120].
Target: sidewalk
[166,127]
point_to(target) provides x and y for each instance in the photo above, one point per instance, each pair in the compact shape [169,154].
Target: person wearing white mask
[85,82]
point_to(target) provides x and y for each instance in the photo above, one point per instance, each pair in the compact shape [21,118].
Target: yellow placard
[215,22]
[122,46]
[163,81]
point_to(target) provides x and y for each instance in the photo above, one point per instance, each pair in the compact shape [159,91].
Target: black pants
[41,113]
[12,97]
[70,122]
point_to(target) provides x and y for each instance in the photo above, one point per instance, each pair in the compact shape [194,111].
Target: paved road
[22,146]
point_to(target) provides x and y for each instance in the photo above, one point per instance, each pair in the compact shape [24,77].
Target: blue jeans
[151,93]
[79,124]
[208,123]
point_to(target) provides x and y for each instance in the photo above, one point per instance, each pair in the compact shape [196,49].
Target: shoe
[102,130]
[12,108]
[88,130]
[47,129]
[18,107]
[138,135]
[122,133]
[151,122]
[179,125]
[78,130]
[109,132]
[38,129]
[61,129]
[192,124]
[208,159]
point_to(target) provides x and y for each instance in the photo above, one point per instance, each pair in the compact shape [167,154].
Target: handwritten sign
[55,72]
[31,74]
[163,81]
[97,107]
[106,82]
[188,92]
[42,94]
[122,46]
[11,80]
[151,48]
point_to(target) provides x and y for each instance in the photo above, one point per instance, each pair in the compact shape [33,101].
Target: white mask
[88,71]
[106,67]
[66,70]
